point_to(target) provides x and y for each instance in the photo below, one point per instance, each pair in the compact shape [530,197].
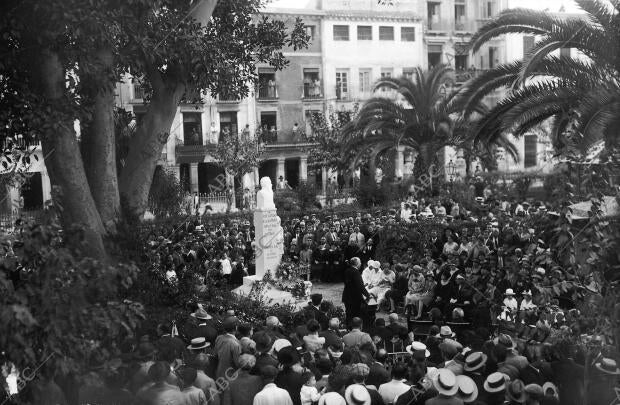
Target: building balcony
[465,25]
[312,92]
[226,99]
[438,25]
[267,92]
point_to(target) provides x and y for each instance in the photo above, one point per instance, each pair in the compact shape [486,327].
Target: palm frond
[514,21]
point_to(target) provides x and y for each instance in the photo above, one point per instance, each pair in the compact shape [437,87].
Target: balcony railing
[312,91]
[19,142]
[438,24]
[267,92]
[465,25]
[224,98]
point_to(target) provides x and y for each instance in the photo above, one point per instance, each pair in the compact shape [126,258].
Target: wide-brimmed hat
[550,386]
[505,340]
[608,366]
[509,292]
[495,382]
[418,347]
[527,292]
[445,332]
[357,394]
[280,344]
[200,314]
[198,343]
[534,391]
[475,361]
[467,389]
[445,382]
[516,391]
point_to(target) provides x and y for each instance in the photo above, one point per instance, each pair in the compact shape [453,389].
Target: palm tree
[425,116]
[581,96]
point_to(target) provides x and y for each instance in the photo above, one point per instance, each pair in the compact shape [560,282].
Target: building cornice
[350,15]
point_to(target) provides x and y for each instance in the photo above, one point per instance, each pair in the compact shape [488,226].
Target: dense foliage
[167,194]
[580,92]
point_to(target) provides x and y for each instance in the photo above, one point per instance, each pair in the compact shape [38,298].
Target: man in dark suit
[354,291]
[332,336]
[314,309]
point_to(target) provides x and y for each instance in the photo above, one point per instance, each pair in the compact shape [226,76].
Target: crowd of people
[469,320]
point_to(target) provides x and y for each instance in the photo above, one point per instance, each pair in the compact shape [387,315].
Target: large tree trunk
[98,145]
[62,156]
[146,146]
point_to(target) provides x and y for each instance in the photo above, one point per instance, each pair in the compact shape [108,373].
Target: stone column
[324,179]
[256,178]
[46,186]
[193,177]
[280,171]
[303,169]
[399,162]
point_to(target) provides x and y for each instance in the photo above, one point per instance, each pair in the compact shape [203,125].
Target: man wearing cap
[205,326]
[447,386]
[227,348]
[245,386]
[271,394]
[264,356]
[360,373]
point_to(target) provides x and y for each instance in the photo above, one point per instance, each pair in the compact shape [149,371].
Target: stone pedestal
[269,238]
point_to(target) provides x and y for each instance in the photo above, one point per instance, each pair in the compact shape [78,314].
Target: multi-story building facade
[353,43]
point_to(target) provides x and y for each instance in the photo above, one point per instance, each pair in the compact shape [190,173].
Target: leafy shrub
[306,194]
[166,194]
[60,307]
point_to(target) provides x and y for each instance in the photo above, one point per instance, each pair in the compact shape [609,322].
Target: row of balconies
[267,92]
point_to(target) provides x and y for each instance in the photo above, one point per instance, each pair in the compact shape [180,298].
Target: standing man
[227,348]
[354,290]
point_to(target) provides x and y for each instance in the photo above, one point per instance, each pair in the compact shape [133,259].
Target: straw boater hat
[467,389]
[445,382]
[418,347]
[200,314]
[357,394]
[550,386]
[475,361]
[445,332]
[495,382]
[198,344]
[509,292]
[608,366]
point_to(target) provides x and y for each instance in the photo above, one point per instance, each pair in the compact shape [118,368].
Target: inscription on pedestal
[269,241]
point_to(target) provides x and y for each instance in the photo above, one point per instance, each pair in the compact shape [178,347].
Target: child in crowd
[309,394]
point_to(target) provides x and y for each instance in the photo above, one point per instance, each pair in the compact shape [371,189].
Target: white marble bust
[264,196]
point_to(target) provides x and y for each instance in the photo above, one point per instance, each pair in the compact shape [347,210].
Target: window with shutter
[530,144]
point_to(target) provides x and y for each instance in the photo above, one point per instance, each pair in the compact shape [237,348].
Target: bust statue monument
[264,196]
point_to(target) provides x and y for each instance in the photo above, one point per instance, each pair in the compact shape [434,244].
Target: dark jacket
[292,382]
[354,290]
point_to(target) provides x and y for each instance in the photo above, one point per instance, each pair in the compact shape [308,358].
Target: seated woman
[386,280]
[416,288]
[399,287]
[312,340]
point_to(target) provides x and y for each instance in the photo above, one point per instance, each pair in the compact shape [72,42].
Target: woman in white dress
[387,278]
